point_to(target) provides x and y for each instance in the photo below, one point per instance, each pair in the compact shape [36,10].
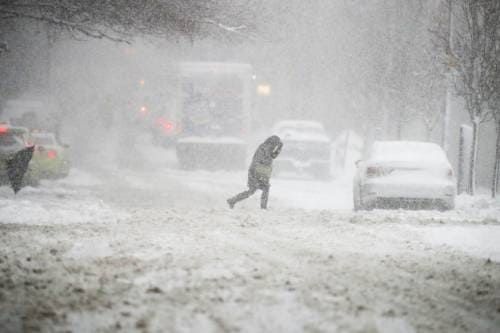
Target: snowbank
[65,201]
[479,241]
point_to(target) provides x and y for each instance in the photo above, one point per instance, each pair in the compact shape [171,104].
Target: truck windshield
[213,105]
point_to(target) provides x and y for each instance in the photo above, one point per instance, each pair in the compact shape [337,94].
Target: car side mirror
[358,162]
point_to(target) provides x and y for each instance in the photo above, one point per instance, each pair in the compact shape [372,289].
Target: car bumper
[49,169]
[379,194]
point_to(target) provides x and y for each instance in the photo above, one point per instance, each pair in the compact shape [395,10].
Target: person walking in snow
[260,171]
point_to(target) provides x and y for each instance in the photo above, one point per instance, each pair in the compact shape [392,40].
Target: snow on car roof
[408,151]
[301,130]
[44,138]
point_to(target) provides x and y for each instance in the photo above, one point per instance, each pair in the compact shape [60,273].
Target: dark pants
[251,190]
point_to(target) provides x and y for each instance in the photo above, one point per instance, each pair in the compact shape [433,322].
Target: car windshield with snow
[404,174]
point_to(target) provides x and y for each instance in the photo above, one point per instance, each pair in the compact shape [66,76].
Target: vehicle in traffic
[404,174]
[154,117]
[213,114]
[306,148]
[164,131]
[50,159]
[12,140]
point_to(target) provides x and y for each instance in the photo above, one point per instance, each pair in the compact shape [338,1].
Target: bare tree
[471,55]
[121,20]
[429,77]
[495,107]
[428,91]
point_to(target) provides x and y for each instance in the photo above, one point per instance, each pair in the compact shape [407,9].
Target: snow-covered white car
[404,174]
[306,148]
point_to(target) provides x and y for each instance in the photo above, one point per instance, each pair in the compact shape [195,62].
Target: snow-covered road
[160,251]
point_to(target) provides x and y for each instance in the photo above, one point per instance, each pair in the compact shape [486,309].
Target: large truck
[214,110]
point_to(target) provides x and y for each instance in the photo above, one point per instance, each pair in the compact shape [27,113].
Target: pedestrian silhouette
[260,171]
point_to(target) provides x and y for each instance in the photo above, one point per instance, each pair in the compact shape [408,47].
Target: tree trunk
[496,169]
[473,158]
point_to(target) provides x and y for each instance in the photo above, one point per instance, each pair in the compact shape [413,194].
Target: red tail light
[3,130]
[51,154]
[167,126]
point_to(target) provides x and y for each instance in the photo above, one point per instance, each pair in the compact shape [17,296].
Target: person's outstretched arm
[277,150]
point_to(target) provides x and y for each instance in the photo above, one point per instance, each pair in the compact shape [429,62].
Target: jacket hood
[272,141]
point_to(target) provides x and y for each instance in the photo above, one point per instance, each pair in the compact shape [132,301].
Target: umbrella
[17,167]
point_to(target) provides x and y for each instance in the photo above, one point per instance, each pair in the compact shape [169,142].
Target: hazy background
[370,66]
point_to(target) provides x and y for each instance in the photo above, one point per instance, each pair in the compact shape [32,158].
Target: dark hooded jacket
[17,167]
[261,167]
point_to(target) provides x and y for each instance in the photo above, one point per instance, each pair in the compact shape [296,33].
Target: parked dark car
[306,148]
